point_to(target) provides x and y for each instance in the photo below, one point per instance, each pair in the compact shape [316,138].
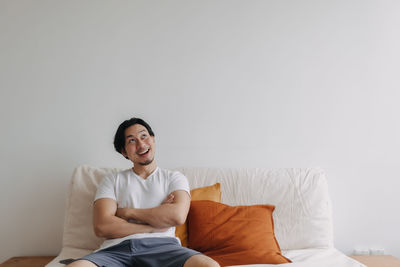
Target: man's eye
[131,140]
[144,136]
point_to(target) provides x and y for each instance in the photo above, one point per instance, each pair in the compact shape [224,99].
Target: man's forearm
[172,211]
[166,215]
[114,227]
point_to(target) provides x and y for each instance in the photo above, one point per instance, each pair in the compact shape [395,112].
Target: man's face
[139,145]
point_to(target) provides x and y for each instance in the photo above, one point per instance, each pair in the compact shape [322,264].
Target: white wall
[223,83]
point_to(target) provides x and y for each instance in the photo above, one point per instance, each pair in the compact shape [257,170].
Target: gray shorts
[162,251]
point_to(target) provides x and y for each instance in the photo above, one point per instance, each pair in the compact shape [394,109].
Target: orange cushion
[212,192]
[234,235]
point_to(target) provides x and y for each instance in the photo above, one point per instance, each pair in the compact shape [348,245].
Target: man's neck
[144,171]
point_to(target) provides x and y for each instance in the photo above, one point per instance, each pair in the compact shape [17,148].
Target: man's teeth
[144,152]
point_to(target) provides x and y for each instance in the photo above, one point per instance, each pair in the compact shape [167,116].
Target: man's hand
[170,199]
[122,213]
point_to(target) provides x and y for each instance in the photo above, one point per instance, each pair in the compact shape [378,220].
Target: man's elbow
[100,230]
[179,219]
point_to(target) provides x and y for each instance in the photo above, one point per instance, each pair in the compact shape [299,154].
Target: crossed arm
[111,222]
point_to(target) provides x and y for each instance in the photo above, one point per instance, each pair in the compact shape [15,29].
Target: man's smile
[144,152]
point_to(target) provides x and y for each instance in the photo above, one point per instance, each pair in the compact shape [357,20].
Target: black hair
[119,139]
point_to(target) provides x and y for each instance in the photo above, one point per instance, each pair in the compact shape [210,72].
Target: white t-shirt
[130,190]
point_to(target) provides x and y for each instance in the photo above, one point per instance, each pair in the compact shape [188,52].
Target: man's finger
[169,199]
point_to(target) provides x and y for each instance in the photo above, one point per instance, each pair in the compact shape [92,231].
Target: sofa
[301,211]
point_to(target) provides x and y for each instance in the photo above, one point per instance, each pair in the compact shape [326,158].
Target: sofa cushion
[212,193]
[234,235]
[78,226]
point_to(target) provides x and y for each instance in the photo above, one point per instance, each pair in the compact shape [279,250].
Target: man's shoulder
[120,174]
[125,172]
[175,180]
[170,173]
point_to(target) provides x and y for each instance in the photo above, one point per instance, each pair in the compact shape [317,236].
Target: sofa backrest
[302,216]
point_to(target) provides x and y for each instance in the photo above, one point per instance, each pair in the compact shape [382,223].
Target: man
[136,210]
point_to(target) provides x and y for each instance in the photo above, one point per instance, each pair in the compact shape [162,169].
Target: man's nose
[140,144]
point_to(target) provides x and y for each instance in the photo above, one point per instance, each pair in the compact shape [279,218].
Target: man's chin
[145,163]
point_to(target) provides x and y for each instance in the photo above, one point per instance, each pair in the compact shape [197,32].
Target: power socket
[359,251]
[362,251]
[377,251]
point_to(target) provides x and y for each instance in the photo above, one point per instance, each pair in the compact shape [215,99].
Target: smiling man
[137,209]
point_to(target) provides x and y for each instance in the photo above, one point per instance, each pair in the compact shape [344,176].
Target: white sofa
[302,217]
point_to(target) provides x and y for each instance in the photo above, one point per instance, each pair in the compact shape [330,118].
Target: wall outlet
[361,251]
[377,251]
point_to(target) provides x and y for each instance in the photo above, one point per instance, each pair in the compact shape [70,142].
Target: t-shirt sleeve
[178,182]
[106,188]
